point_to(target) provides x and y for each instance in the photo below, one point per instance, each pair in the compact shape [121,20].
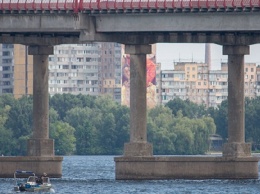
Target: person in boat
[40,180]
[22,188]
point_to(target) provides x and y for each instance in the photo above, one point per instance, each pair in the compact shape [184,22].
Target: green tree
[252,122]
[159,130]
[188,108]
[20,117]
[107,134]
[184,141]
[53,116]
[63,134]
[20,122]
[221,119]
[202,129]
[122,127]
[7,99]
[6,136]
[64,102]
[85,121]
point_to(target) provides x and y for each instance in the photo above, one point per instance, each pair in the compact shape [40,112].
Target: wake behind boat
[33,183]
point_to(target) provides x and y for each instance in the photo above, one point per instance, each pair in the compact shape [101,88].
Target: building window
[6,76]
[7,60]
[65,66]
[79,59]
[7,90]
[6,83]
[6,53]
[6,68]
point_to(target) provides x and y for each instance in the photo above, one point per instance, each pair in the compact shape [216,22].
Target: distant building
[93,68]
[23,71]
[194,81]
[96,69]
[6,68]
[158,83]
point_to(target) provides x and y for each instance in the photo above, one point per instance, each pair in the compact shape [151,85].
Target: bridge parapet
[128,6]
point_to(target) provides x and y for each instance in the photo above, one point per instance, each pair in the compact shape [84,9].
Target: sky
[168,53]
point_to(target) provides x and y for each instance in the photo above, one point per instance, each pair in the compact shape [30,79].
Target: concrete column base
[40,147]
[50,165]
[138,149]
[237,150]
[186,167]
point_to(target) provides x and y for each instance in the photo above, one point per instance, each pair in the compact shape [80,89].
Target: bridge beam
[138,145]
[236,146]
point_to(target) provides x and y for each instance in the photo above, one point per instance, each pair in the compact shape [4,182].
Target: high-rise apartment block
[23,71]
[93,68]
[6,68]
[16,70]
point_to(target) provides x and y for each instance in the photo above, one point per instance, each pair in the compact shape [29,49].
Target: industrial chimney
[208,55]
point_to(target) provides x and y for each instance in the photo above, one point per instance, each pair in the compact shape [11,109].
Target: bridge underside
[143,38]
[186,167]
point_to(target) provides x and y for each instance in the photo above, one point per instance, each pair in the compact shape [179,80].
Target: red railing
[88,5]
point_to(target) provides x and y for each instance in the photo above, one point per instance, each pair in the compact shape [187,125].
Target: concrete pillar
[236,146]
[40,144]
[138,145]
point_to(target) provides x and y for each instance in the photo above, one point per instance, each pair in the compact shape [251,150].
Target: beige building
[23,71]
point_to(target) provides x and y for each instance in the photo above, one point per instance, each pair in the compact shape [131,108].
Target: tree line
[89,125]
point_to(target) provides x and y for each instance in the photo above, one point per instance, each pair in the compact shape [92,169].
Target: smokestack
[208,55]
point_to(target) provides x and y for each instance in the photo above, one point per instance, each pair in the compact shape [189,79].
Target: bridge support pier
[40,144]
[236,146]
[138,145]
[236,162]
[40,149]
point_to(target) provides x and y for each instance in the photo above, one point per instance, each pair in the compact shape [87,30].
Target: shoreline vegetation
[89,125]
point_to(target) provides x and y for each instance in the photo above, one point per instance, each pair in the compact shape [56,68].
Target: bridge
[41,24]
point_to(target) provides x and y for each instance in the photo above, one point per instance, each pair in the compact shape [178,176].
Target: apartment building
[6,68]
[93,68]
[194,81]
[23,71]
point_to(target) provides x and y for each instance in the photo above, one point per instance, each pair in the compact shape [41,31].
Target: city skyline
[168,53]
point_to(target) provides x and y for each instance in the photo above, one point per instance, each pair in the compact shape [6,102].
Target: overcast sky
[167,53]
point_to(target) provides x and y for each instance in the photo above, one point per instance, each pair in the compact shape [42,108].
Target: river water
[96,175]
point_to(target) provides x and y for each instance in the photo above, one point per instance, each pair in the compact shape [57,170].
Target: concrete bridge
[41,24]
